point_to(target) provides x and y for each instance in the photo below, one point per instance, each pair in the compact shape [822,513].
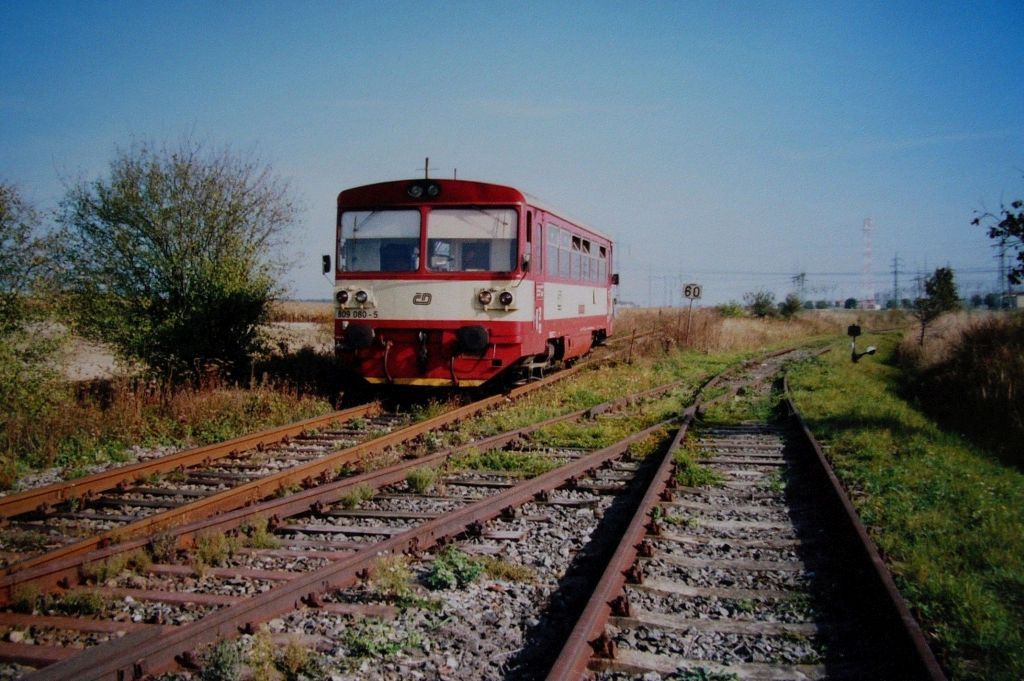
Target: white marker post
[691,291]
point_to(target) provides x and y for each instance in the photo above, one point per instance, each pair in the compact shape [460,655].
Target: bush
[761,303]
[171,258]
[731,309]
[976,385]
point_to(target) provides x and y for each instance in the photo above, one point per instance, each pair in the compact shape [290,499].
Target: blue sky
[735,144]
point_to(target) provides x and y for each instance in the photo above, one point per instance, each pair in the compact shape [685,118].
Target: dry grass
[708,331]
[320,312]
[969,374]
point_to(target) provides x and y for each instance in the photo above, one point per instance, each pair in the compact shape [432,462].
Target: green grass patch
[948,517]
[522,464]
[421,480]
[355,496]
[452,569]
[691,473]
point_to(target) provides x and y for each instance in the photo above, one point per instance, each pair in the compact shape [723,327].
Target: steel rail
[41,498]
[307,474]
[928,666]
[63,569]
[160,648]
[589,632]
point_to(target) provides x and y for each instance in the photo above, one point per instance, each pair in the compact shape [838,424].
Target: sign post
[691,291]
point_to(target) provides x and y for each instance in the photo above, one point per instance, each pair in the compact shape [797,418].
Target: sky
[734,144]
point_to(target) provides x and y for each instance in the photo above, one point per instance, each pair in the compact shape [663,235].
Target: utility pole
[896,281]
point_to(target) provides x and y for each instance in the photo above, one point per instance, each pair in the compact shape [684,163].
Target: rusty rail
[154,650]
[41,498]
[64,571]
[589,632]
[904,623]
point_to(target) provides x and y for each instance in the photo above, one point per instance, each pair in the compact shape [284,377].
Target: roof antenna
[426,168]
[456,174]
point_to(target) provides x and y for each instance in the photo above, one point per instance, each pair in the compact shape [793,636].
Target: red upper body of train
[454,283]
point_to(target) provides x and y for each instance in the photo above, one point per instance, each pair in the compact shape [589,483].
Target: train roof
[396,192]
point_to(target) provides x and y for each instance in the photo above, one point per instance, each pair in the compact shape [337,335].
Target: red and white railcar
[455,283]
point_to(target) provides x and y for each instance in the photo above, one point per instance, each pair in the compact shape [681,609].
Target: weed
[287,490]
[346,470]
[261,656]
[25,541]
[297,661]
[499,568]
[392,577]
[213,548]
[355,496]
[102,571]
[178,475]
[25,598]
[373,638]
[523,464]
[79,602]
[689,473]
[163,548]
[452,568]
[357,423]
[223,662]
[421,480]
[258,536]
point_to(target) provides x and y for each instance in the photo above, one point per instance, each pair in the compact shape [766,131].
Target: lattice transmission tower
[867,284]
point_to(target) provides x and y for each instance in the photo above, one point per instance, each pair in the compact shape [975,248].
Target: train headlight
[485,297]
[415,190]
[362,297]
[433,190]
[341,297]
[505,298]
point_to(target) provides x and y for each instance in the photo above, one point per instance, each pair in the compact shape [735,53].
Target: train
[459,284]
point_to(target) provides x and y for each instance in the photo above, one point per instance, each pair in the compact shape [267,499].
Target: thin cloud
[869,148]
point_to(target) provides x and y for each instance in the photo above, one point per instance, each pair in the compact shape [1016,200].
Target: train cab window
[379,241]
[472,239]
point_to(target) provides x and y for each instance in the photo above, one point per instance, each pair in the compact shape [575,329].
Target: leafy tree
[28,381]
[172,258]
[850,304]
[761,303]
[992,301]
[1009,230]
[940,296]
[808,304]
[790,306]
[820,304]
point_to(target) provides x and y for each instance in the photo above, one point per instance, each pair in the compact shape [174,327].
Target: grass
[101,424]
[498,568]
[355,496]
[392,578]
[100,572]
[515,464]
[452,569]
[690,473]
[371,637]
[257,536]
[421,480]
[947,516]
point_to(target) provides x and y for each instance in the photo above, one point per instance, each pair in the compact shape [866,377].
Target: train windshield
[472,239]
[379,241]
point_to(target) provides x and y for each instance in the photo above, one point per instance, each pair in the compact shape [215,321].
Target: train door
[535,244]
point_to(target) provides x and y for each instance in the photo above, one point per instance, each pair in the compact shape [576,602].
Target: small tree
[940,296]
[173,257]
[761,303]
[790,306]
[850,304]
[28,381]
[1009,230]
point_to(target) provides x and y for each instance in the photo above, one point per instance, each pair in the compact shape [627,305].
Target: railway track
[63,521]
[310,569]
[766,574]
[284,552]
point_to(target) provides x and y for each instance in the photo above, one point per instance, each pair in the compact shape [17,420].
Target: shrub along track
[766,575]
[291,550]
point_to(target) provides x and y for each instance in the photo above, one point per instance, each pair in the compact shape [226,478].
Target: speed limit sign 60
[692,291]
